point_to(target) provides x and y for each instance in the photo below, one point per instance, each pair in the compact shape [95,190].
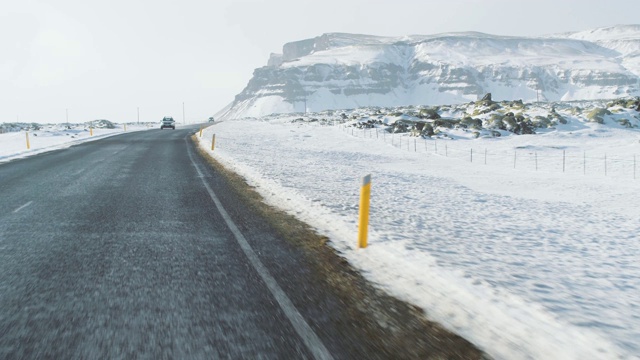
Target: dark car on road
[168,123]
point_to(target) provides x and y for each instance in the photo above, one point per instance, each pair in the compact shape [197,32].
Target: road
[133,247]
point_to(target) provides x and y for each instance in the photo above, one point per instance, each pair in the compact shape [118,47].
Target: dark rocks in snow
[485,101]
[495,122]
[625,122]
[400,127]
[470,123]
[633,103]
[446,123]
[428,114]
[541,122]
[554,116]
[427,130]
[517,124]
[597,115]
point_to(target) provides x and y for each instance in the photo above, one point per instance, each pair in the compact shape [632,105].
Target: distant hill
[342,71]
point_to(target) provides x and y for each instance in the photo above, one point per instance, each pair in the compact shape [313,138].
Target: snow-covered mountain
[342,71]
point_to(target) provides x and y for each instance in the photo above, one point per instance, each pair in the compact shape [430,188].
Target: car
[211,119]
[168,123]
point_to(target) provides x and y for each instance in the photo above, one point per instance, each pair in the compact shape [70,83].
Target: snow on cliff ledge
[342,71]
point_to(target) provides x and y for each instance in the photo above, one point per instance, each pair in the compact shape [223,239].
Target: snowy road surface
[115,249]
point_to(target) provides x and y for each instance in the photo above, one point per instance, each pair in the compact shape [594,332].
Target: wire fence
[521,159]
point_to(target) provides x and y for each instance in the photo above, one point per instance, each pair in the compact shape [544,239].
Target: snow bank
[524,263]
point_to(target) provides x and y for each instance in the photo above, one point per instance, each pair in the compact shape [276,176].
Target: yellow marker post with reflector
[200,131]
[90,131]
[213,142]
[363,223]
[28,146]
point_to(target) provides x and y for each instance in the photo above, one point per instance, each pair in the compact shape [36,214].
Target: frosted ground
[525,263]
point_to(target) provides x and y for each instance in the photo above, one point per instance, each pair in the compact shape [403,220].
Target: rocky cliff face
[335,71]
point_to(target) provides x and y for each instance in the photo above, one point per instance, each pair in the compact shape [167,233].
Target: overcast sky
[104,59]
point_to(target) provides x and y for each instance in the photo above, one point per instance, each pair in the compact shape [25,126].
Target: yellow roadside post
[90,131]
[363,223]
[200,131]
[28,146]
[213,142]
[125,127]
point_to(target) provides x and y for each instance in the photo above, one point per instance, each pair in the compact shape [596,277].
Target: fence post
[363,223]
[514,158]
[435,145]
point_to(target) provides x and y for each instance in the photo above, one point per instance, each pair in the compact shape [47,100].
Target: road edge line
[306,333]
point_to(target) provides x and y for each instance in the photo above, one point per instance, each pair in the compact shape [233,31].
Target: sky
[86,60]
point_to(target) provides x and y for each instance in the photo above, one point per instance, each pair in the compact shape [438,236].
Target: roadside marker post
[125,127]
[28,146]
[200,131]
[213,142]
[363,223]
[90,131]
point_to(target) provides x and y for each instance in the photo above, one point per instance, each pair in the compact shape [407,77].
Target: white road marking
[306,333]
[22,207]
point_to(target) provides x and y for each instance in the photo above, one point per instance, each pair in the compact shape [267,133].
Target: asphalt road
[133,247]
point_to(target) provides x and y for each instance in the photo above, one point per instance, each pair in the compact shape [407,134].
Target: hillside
[342,71]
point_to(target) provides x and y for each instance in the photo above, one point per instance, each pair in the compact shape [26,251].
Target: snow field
[13,145]
[525,264]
